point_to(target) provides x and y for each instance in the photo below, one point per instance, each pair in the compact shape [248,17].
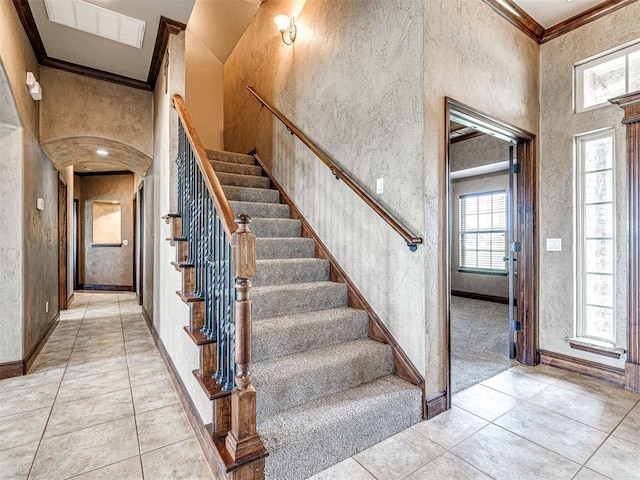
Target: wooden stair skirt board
[324,365]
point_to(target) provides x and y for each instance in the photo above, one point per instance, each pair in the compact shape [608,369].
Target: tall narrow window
[596,238]
[483,219]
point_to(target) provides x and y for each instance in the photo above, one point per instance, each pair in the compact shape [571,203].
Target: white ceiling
[227,18]
[551,12]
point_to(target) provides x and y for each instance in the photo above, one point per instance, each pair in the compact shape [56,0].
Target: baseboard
[403,367]
[584,367]
[71,298]
[109,288]
[632,376]
[11,369]
[435,405]
[481,296]
[149,320]
[33,354]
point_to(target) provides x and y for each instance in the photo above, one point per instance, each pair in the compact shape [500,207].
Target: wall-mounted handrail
[210,178]
[412,240]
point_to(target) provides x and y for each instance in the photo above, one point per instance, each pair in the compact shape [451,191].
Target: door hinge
[516,168]
[516,247]
[515,325]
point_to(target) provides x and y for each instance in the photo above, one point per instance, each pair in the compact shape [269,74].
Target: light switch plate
[40,203]
[554,244]
[380,186]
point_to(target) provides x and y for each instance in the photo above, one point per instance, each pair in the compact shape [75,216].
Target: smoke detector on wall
[97,20]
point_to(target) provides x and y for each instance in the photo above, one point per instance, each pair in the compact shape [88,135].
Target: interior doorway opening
[491,250]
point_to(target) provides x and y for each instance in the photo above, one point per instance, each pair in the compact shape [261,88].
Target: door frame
[62,244]
[139,241]
[526,229]
[76,243]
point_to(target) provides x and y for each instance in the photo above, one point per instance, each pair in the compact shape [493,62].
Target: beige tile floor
[99,404]
[536,423]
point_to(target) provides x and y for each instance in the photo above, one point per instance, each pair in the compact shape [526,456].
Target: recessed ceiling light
[97,20]
[102,152]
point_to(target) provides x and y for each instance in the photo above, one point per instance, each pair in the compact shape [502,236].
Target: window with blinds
[483,220]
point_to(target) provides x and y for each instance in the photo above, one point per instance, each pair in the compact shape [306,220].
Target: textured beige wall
[35,258]
[558,125]
[462,61]
[168,312]
[353,82]
[367,82]
[107,265]
[11,302]
[204,94]
[80,114]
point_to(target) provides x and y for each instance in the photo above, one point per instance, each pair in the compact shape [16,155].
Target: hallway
[98,403]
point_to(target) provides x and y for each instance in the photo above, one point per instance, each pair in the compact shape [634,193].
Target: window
[596,238]
[483,219]
[607,76]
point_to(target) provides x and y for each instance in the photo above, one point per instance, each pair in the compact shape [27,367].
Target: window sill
[483,272]
[105,244]
[596,347]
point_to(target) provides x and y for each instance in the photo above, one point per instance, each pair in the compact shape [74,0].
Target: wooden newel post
[243,441]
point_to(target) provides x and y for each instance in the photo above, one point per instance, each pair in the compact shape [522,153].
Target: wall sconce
[34,86]
[286,25]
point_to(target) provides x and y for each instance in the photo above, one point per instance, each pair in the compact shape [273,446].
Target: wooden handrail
[213,184]
[412,240]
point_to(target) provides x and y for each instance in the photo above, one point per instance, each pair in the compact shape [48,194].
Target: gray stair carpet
[325,391]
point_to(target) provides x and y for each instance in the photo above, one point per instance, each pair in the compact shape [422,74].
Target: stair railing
[221,249]
[409,237]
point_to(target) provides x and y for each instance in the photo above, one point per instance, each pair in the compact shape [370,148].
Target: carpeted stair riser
[279,300]
[260,210]
[294,270]
[281,336]
[297,379]
[275,227]
[237,180]
[273,248]
[310,438]
[245,194]
[240,168]
[220,156]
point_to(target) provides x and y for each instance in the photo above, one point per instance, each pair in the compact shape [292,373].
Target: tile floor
[99,404]
[525,423]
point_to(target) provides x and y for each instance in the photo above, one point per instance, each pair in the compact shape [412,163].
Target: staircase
[325,390]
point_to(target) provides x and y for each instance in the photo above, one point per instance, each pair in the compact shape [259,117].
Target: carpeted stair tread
[310,438]
[276,227]
[281,336]
[278,300]
[235,179]
[285,382]
[241,168]
[291,247]
[248,194]
[260,210]
[291,270]
[220,156]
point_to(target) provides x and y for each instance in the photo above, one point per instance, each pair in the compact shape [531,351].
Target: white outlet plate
[46,307]
[554,244]
[379,186]
[125,242]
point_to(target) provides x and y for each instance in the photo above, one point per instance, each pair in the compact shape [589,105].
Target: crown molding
[165,28]
[523,21]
